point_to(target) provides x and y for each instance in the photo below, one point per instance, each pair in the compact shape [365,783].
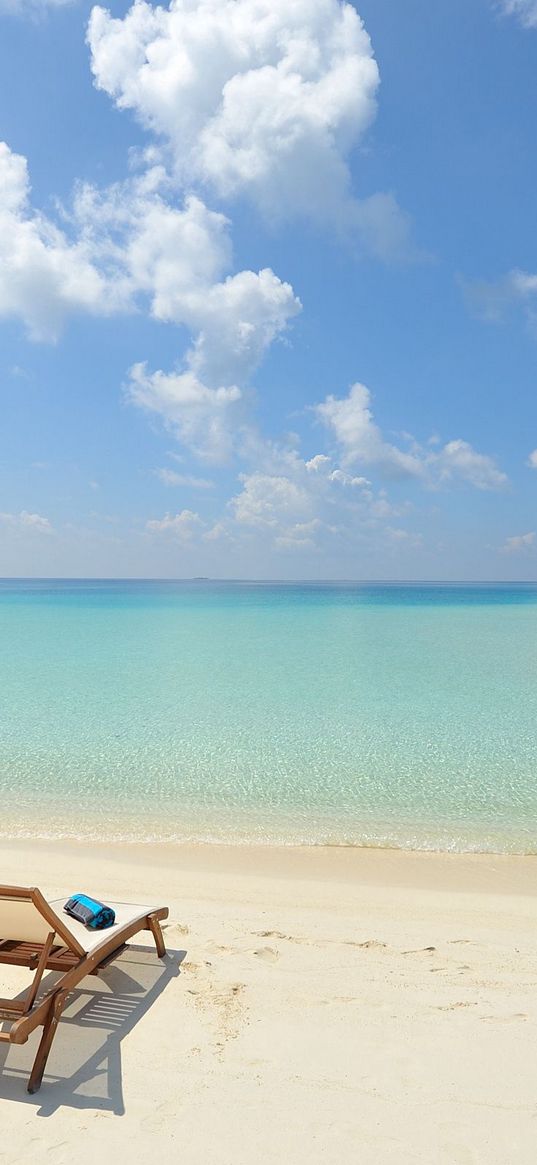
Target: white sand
[332,1006]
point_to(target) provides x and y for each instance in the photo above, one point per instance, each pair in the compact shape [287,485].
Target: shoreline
[429,871]
[136,830]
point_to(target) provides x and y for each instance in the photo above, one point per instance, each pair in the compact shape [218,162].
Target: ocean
[277,713]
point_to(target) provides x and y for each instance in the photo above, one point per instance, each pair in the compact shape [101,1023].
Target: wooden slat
[40,971]
[23,954]
[19,959]
[30,952]
[63,962]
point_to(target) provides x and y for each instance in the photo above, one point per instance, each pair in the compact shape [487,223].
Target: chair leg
[49,1031]
[154,926]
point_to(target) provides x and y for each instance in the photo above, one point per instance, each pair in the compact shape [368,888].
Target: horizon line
[286,581]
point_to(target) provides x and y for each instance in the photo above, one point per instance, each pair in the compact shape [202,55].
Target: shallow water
[348,714]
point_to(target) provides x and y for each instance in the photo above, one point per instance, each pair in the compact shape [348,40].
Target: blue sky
[268,289]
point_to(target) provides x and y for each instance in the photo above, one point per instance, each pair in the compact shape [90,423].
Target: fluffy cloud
[491,300]
[178,258]
[148,245]
[133,248]
[351,421]
[205,419]
[318,504]
[524,10]
[182,526]
[170,478]
[112,250]
[42,274]
[288,503]
[234,320]
[238,321]
[519,543]
[458,460]
[25,521]
[309,504]
[254,97]
[271,501]
[532,459]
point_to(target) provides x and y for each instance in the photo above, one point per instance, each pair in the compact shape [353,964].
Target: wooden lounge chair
[37,934]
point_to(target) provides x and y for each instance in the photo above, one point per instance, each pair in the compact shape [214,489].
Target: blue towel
[93,914]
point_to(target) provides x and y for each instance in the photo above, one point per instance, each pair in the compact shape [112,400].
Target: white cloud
[321,464]
[524,10]
[178,257]
[360,439]
[492,299]
[397,534]
[268,500]
[532,460]
[171,478]
[316,504]
[301,536]
[156,247]
[351,420]
[42,275]
[307,504]
[27,521]
[182,526]
[255,97]
[519,543]
[459,460]
[206,419]
[132,249]
[238,321]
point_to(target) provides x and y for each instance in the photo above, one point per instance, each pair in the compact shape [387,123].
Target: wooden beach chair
[37,934]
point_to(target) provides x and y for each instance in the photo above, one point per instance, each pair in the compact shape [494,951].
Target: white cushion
[90,940]
[21,921]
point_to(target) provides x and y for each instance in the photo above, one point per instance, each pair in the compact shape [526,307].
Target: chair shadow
[99,1011]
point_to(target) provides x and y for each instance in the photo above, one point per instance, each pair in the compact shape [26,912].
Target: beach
[321,1004]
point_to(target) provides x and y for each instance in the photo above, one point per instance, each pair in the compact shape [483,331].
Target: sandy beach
[324,1005]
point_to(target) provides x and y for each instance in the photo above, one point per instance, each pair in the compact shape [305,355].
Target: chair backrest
[25,916]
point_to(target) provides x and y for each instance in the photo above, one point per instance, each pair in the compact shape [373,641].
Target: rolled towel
[93,914]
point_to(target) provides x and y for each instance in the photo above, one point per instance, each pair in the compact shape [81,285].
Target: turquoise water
[349,714]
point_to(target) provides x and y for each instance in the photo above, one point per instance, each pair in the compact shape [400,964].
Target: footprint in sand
[289,938]
[420,951]
[454,1006]
[517,1017]
[369,944]
[267,954]
[188,966]
[213,948]
[175,928]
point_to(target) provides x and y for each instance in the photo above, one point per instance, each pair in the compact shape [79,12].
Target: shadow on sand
[84,1069]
